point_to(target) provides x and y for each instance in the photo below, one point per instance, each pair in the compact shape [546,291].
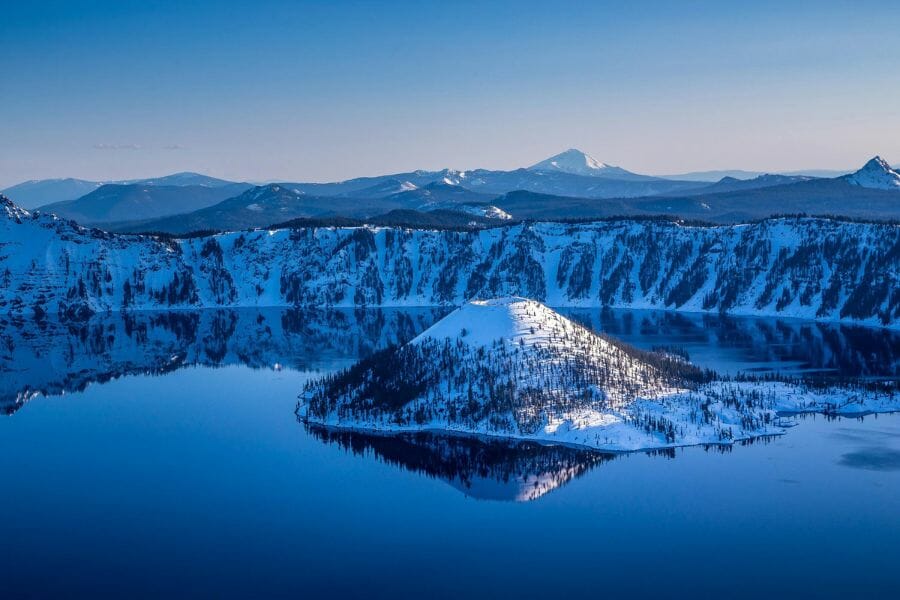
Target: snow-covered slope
[876,174]
[514,368]
[536,335]
[517,321]
[801,267]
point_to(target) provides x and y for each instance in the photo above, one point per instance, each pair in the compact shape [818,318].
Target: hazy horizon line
[212,172]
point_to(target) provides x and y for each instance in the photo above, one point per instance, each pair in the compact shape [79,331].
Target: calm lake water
[158,455]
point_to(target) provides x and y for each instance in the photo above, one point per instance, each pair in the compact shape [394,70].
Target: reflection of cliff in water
[480,467]
[729,344]
[50,357]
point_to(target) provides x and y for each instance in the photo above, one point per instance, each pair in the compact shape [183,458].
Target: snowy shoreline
[775,429]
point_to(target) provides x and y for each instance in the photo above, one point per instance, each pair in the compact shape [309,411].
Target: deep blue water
[165,460]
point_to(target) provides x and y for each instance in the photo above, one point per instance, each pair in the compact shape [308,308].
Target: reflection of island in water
[480,467]
[489,468]
[49,356]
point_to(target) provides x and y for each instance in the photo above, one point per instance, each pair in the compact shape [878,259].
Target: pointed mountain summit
[576,162]
[876,174]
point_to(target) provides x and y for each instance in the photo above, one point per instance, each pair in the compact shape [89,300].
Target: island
[514,368]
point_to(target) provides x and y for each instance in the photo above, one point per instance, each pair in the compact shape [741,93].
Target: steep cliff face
[810,267]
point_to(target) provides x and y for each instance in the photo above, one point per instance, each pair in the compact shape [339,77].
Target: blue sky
[322,91]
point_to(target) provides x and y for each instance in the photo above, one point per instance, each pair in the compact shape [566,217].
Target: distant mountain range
[136,201]
[35,193]
[871,192]
[259,206]
[713,176]
[569,185]
[732,184]
[272,204]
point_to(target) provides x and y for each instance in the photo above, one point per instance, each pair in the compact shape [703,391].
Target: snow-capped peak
[513,319]
[575,162]
[876,174]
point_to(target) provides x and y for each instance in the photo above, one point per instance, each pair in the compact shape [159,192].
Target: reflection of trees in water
[726,448]
[480,467]
[847,350]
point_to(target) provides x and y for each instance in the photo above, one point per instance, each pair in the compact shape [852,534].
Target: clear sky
[331,90]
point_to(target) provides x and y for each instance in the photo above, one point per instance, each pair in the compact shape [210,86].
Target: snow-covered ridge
[514,368]
[800,267]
